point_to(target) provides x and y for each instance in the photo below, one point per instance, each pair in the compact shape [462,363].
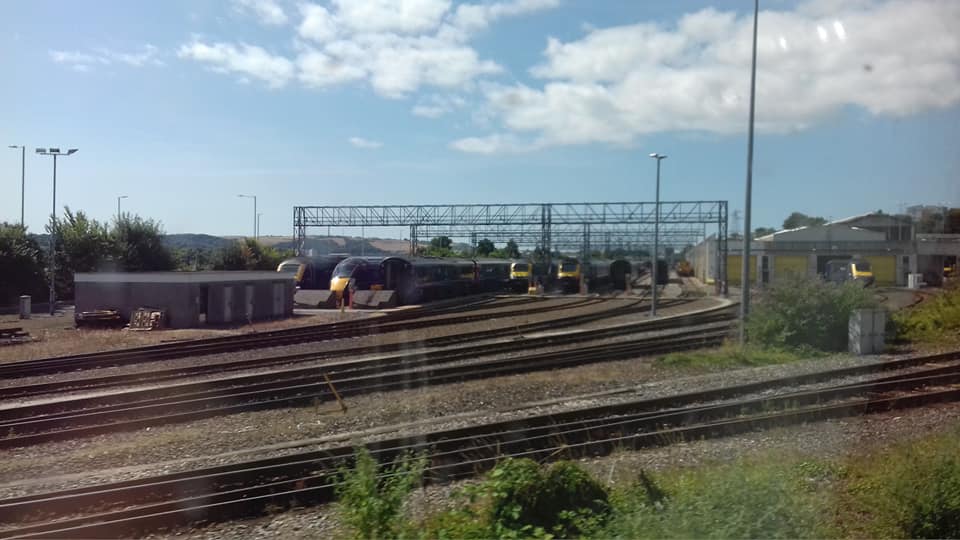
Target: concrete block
[364,300]
[866,331]
[315,298]
[385,299]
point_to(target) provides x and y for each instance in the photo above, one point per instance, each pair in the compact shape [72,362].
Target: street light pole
[53,222]
[257,232]
[656,240]
[745,263]
[118,206]
[254,197]
[23,178]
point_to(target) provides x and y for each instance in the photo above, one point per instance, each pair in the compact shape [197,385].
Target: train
[844,270]
[593,273]
[311,272]
[420,279]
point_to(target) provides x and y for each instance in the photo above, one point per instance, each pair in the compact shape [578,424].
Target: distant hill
[320,245]
[195,241]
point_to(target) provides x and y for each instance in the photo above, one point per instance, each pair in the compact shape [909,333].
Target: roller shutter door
[784,265]
[734,270]
[884,269]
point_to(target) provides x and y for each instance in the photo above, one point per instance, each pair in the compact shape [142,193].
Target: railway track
[85,416]
[169,374]
[244,489]
[396,321]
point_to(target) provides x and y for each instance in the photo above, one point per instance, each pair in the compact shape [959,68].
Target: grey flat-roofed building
[189,299]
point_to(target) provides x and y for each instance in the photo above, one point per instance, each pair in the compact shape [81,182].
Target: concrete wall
[183,302]
[177,299]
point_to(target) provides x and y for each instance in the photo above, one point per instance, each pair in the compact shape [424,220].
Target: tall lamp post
[23,177]
[254,197]
[257,231]
[118,206]
[55,152]
[656,240]
[745,266]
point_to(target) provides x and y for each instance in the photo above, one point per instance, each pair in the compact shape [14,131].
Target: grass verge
[732,356]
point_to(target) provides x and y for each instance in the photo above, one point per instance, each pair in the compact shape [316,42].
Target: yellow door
[884,269]
[734,270]
[784,265]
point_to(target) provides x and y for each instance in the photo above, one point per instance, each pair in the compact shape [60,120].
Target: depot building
[889,243]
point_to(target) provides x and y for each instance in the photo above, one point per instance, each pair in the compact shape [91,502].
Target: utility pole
[53,223]
[745,266]
[656,240]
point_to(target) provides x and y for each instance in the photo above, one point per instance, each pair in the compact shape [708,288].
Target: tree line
[129,243]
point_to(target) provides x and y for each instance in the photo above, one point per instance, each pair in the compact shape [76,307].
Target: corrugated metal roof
[178,277]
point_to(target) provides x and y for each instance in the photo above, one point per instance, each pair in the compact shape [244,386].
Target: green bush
[803,312]
[372,496]
[912,491]
[933,321]
[733,501]
[520,499]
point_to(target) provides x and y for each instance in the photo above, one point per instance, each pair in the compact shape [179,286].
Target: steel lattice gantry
[540,224]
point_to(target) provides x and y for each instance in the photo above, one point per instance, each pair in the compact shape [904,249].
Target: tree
[82,245]
[485,247]
[249,254]
[511,250]
[763,231]
[21,264]
[799,219]
[441,242]
[139,247]
[439,246]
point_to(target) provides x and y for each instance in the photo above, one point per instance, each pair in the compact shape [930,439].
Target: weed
[726,502]
[911,491]
[730,356]
[936,320]
[372,496]
[520,499]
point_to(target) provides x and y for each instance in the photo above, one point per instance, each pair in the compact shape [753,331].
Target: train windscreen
[288,268]
[569,267]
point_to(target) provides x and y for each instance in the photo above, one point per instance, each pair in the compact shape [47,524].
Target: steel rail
[544,442]
[338,330]
[210,403]
[34,389]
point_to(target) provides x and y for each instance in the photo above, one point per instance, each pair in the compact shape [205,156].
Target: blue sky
[181,105]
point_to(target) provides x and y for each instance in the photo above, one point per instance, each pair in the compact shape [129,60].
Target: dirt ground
[57,336]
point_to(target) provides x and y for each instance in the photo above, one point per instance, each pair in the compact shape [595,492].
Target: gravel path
[165,448]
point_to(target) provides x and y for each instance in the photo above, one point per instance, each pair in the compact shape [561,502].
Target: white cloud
[498,143]
[402,16]
[397,46]
[85,61]
[435,106]
[244,60]
[475,17]
[268,12]
[892,58]
[360,142]
[318,24]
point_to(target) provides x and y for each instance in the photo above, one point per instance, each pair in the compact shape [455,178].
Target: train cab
[310,272]
[521,276]
[844,270]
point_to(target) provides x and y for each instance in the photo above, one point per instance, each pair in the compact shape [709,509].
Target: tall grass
[936,320]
